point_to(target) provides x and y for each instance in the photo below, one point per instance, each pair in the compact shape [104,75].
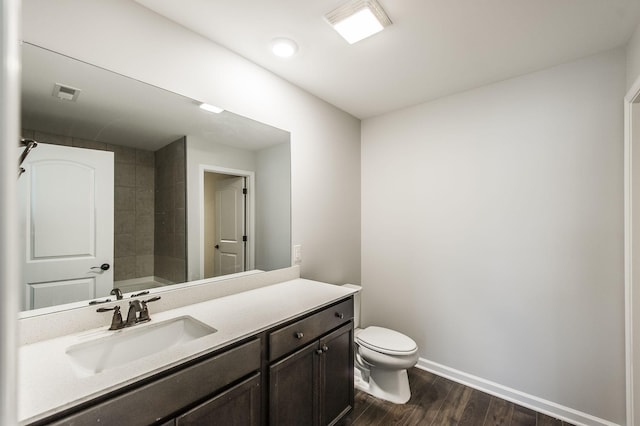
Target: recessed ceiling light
[211,108]
[284,47]
[358,19]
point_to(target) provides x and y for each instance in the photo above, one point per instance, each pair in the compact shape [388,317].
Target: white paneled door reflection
[66,210]
[229,256]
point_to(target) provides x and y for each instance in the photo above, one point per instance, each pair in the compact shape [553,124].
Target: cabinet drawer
[288,338]
[239,405]
[171,393]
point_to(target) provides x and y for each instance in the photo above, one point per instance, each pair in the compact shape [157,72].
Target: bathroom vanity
[281,354]
[187,394]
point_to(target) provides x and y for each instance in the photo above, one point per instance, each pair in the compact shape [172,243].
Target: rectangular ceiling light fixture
[358,19]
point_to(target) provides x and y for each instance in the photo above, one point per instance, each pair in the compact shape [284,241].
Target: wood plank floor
[438,401]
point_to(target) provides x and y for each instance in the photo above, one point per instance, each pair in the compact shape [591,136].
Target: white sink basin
[131,344]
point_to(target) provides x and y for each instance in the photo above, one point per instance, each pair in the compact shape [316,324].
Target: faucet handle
[116,320]
[115,308]
[96,302]
[144,314]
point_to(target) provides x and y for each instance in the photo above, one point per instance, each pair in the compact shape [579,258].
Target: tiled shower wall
[134,207]
[133,213]
[170,212]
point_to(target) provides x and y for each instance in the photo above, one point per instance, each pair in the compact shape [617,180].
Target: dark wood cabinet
[314,384]
[238,406]
[165,396]
[293,388]
[336,375]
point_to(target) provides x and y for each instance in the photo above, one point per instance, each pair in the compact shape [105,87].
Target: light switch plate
[297,254]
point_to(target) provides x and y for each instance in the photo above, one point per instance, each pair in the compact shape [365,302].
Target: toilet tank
[356,304]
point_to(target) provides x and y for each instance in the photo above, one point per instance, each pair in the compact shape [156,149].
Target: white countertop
[48,383]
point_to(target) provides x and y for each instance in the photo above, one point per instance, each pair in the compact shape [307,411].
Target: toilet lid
[386,341]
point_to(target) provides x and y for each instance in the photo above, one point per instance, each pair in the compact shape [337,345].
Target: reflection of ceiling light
[283,47]
[358,19]
[211,108]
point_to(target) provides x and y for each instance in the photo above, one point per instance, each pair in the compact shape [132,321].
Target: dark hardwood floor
[437,401]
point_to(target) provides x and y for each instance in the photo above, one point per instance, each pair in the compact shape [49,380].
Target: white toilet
[383,356]
[382,359]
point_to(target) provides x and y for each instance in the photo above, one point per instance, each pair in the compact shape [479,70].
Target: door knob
[102,268]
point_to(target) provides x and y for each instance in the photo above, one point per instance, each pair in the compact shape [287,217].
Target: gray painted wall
[633,58]
[492,232]
[273,215]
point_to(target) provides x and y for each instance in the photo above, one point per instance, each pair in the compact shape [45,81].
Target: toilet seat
[386,341]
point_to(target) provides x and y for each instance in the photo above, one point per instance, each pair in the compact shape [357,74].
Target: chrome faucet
[116,292]
[132,316]
[138,312]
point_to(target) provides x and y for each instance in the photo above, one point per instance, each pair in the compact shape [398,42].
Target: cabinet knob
[325,348]
[319,351]
[340,315]
[299,335]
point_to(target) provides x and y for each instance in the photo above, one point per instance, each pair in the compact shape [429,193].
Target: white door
[66,210]
[229,256]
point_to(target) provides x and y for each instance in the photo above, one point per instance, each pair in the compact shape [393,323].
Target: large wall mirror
[130,186]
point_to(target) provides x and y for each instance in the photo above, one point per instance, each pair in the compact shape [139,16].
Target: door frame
[631,102]
[250,210]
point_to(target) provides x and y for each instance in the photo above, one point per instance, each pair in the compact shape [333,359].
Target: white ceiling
[434,47]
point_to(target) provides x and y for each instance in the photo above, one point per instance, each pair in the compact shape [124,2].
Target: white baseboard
[533,402]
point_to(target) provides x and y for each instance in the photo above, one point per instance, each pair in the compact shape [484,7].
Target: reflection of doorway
[225,224]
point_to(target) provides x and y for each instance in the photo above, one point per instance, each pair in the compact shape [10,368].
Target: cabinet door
[336,374]
[238,406]
[293,388]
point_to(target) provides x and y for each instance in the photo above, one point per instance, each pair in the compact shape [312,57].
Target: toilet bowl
[382,359]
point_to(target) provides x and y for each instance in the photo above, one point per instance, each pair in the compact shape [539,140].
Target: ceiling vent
[65,93]
[358,19]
